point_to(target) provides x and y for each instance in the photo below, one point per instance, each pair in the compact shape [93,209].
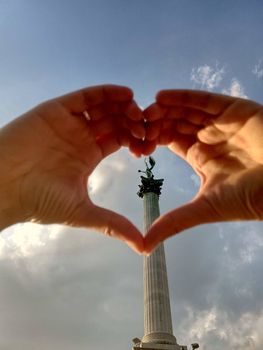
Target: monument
[158,329]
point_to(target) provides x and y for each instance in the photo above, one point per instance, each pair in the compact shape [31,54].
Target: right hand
[48,154]
[221,137]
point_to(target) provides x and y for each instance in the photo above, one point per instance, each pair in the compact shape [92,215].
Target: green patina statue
[148,183]
[148,170]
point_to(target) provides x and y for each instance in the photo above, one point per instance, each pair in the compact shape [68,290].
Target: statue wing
[151,161]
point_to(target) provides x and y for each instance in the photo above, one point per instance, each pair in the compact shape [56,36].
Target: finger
[194,213]
[202,100]
[111,142]
[167,132]
[111,224]
[194,116]
[124,137]
[129,109]
[159,128]
[116,122]
[178,134]
[165,138]
[136,147]
[153,129]
[180,144]
[105,110]
[79,101]
[148,147]
[133,111]
[154,112]
[108,143]
[185,127]
[96,113]
[212,135]
[200,153]
[139,147]
[102,126]
[234,118]
[136,128]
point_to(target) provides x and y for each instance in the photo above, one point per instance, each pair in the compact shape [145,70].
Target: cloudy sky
[68,289]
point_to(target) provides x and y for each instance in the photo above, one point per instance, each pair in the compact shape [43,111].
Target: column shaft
[157,311]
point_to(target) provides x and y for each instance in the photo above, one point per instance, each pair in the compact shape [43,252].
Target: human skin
[221,137]
[48,154]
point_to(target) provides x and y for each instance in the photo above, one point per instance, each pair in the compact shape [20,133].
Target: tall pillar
[157,311]
[158,329]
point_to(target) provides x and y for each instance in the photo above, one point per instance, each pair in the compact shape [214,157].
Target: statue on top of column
[148,183]
[148,170]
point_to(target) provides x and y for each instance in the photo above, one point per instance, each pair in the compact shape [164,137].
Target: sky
[64,288]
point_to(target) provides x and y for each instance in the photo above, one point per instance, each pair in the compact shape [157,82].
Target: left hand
[221,138]
[48,154]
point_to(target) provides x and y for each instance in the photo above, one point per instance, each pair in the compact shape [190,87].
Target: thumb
[197,212]
[109,223]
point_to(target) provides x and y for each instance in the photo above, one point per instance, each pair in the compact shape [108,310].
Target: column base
[157,341]
[159,338]
[152,346]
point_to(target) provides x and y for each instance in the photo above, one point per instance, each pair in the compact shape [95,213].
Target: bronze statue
[148,183]
[148,170]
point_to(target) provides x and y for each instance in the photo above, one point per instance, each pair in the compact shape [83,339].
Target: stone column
[158,327]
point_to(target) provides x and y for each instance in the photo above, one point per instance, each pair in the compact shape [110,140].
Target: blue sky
[64,288]
[56,46]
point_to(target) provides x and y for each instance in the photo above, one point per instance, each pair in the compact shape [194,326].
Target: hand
[48,154]
[221,137]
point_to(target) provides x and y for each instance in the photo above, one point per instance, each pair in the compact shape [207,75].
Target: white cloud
[252,244]
[23,240]
[236,89]
[258,69]
[214,329]
[207,77]
[102,176]
[66,288]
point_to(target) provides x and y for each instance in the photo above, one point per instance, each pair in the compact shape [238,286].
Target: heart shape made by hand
[48,154]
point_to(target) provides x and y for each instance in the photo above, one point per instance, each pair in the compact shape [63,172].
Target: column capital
[150,185]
